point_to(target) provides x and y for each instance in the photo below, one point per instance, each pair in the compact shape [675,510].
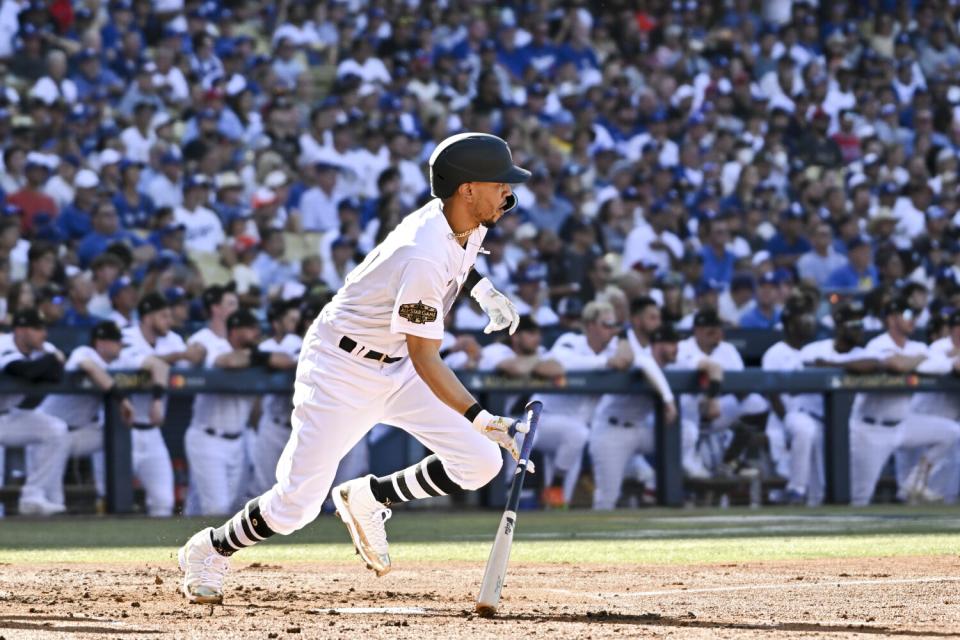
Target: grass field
[582,572]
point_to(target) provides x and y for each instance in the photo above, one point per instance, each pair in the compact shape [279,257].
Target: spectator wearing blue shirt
[134,207]
[74,222]
[788,243]
[548,210]
[859,273]
[765,314]
[94,78]
[718,261]
[77,314]
[106,231]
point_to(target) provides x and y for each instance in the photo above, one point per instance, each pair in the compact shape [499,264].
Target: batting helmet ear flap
[511,203]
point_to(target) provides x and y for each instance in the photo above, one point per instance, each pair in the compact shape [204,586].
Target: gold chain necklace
[464,234]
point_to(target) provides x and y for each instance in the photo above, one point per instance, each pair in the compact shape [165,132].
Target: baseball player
[623,424]
[273,429]
[372,355]
[801,415]
[563,432]
[946,482]
[25,354]
[149,339]
[83,414]
[712,414]
[881,423]
[645,318]
[218,303]
[213,441]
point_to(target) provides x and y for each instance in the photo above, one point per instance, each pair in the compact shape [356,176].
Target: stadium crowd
[696,165]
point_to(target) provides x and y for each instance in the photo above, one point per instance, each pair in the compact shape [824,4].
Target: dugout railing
[836,386]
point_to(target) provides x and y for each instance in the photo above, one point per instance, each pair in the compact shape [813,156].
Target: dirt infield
[915,597]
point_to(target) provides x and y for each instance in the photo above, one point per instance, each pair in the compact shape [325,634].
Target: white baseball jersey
[119,319]
[689,355]
[277,407]
[782,357]
[77,410]
[135,350]
[225,413]
[938,404]
[894,406]
[407,285]
[10,353]
[575,354]
[635,407]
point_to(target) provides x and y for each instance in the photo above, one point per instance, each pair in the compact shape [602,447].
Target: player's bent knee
[483,468]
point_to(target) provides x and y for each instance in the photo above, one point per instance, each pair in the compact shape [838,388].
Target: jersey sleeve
[418,309]
[566,353]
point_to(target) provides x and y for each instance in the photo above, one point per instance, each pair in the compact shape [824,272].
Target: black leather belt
[226,436]
[142,426]
[349,345]
[626,424]
[880,423]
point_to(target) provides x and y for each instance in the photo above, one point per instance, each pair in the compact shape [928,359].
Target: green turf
[644,536]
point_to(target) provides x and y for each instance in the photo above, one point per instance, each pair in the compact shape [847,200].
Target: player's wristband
[259,358]
[473,411]
[713,389]
[157,391]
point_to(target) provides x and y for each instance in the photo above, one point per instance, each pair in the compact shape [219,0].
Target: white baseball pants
[216,468]
[337,398]
[87,441]
[872,445]
[152,467]
[806,455]
[563,438]
[271,439]
[49,448]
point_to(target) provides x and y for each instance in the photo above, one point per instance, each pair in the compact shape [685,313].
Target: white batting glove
[497,306]
[502,430]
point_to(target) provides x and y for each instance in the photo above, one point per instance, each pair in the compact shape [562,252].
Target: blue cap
[343,241]
[175,295]
[889,188]
[902,38]
[769,278]
[709,286]
[170,158]
[171,228]
[197,180]
[207,114]
[857,242]
[350,203]
[119,285]
[793,212]
[11,210]
[533,272]
[742,281]
[630,193]
[696,119]
[935,212]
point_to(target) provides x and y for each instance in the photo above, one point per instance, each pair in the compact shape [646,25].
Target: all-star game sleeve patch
[418,313]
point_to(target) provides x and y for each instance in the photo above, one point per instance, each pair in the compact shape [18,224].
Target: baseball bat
[496,570]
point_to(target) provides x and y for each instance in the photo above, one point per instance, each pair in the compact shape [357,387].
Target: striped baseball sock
[244,529]
[425,479]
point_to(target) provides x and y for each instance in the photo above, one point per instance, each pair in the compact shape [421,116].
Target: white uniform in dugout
[565,423]
[945,482]
[44,434]
[404,286]
[83,415]
[273,430]
[881,423]
[623,425]
[214,440]
[151,458]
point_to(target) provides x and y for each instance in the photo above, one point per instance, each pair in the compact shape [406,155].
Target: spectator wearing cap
[50,304]
[530,297]
[788,244]
[106,231]
[320,204]
[75,221]
[142,89]
[28,357]
[55,86]
[816,265]
[123,302]
[203,227]
[228,202]
[92,76]
[548,210]
[77,312]
[178,300]
[214,441]
[30,198]
[718,261]
[859,274]
[272,269]
[765,314]
[84,413]
[164,187]
[939,56]
[815,147]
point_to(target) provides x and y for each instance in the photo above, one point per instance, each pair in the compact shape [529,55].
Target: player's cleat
[552,498]
[39,507]
[203,569]
[364,517]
